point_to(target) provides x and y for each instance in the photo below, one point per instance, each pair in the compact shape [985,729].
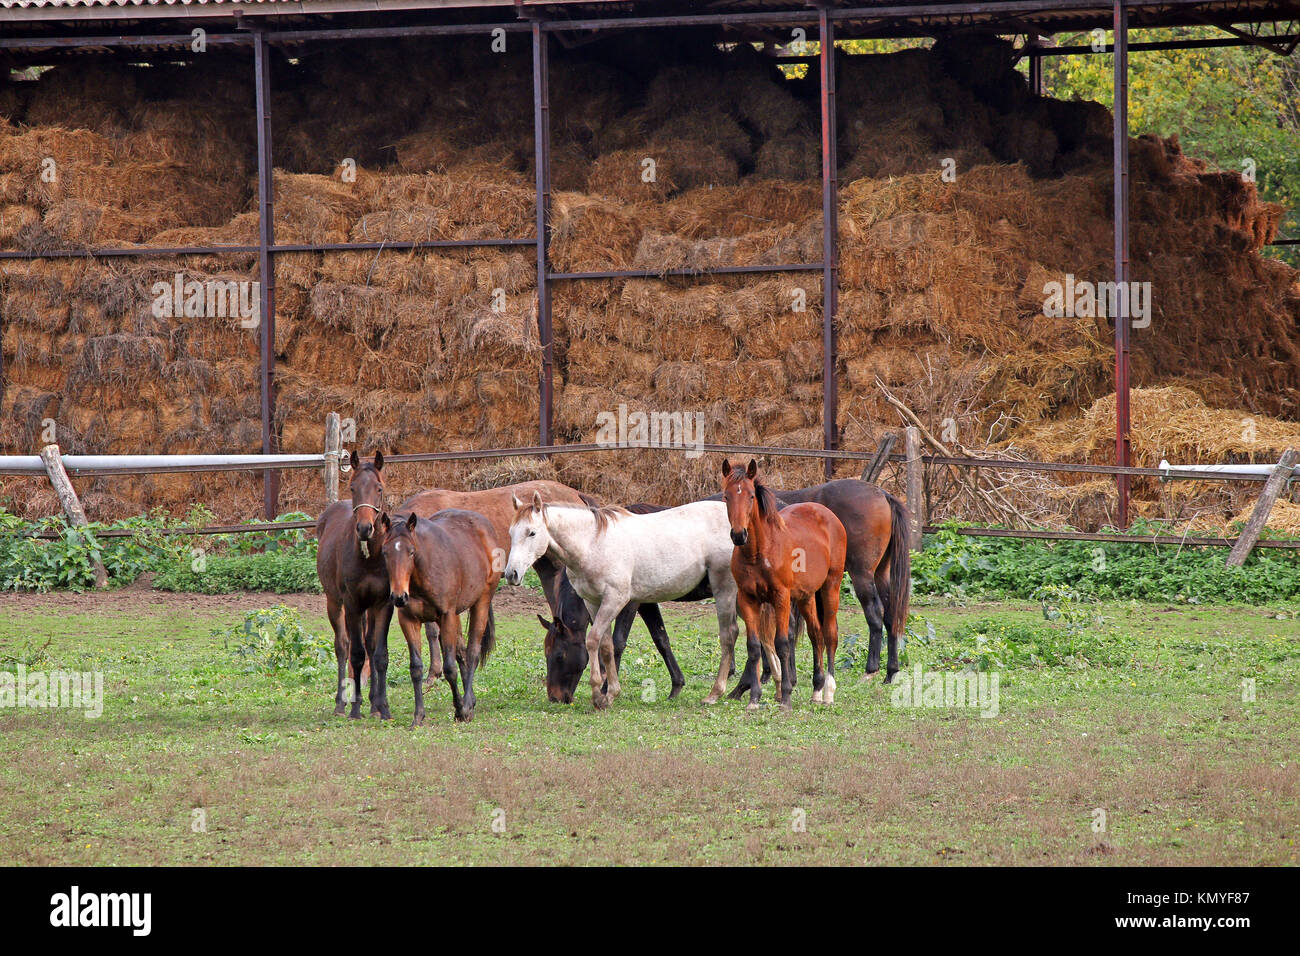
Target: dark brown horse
[438,568]
[793,556]
[878,563]
[353,577]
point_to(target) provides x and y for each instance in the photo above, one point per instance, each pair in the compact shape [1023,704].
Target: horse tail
[489,637]
[896,597]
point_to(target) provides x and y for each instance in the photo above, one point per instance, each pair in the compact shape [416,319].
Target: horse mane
[768,506]
[604,516]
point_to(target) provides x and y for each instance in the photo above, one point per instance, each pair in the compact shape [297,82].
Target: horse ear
[545,623]
[515,502]
[379,461]
[384,521]
[752,470]
[356,460]
[537,502]
[410,522]
[726,468]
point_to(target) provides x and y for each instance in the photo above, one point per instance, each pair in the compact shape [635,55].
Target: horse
[565,645]
[784,557]
[353,577]
[878,562]
[494,505]
[614,557]
[438,568]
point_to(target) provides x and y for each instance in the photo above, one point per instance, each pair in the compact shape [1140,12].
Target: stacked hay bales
[697,160]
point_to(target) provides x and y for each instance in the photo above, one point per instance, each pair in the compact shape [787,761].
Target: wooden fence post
[1272,488]
[52,458]
[333,445]
[874,467]
[915,483]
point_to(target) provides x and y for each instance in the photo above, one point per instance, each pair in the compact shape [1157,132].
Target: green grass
[1146,722]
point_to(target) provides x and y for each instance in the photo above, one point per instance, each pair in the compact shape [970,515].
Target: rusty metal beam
[830,239]
[1123,448]
[266,262]
[542,170]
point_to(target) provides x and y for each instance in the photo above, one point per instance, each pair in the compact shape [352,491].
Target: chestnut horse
[438,568]
[795,556]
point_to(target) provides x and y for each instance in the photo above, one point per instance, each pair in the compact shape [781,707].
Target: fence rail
[104,465]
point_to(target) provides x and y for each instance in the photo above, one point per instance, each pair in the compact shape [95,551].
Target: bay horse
[438,568]
[787,557]
[353,577]
[614,558]
[565,645]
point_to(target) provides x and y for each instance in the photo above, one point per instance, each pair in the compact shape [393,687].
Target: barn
[740,227]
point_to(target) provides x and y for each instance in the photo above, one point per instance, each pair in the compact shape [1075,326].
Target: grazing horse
[352,575]
[565,645]
[438,568]
[614,558]
[784,557]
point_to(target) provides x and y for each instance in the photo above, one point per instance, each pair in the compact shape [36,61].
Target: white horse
[614,557]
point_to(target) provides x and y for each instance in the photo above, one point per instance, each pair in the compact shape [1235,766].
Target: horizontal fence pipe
[1155,539]
[671,273]
[1149,539]
[146,252]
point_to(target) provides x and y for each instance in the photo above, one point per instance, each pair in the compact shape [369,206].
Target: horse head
[565,650]
[401,555]
[529,538]
[741,497]
[367,489]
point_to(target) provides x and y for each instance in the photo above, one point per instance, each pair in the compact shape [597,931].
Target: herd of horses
[774,559]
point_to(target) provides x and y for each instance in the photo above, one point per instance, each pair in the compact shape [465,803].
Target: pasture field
[1144,721]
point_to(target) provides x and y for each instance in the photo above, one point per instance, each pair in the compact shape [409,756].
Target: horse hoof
[752,706]
[677,689]
[600,701]
[711,699]
[341,710]
[787,707]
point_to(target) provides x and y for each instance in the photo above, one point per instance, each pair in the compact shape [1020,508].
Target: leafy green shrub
[221,574]
[274,641]
[963,565]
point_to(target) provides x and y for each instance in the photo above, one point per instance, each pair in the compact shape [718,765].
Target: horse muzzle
[512,576]
[557,695]
[740,538]
[364,530]
[400,600]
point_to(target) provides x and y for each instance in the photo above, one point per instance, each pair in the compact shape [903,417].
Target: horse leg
[434,672]
[622,626]
[354,621]
[727,605]
[342,657]
[776,643]
[738,691]
[478,625]
[654,621]
[828,609]
[598,636]
[864,586]
[449,638]
[377,621]
[808,612]
[411,631]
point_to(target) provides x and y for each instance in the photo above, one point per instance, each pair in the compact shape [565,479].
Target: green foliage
[67,562]
[962,566]
[274,641]
[283,573]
